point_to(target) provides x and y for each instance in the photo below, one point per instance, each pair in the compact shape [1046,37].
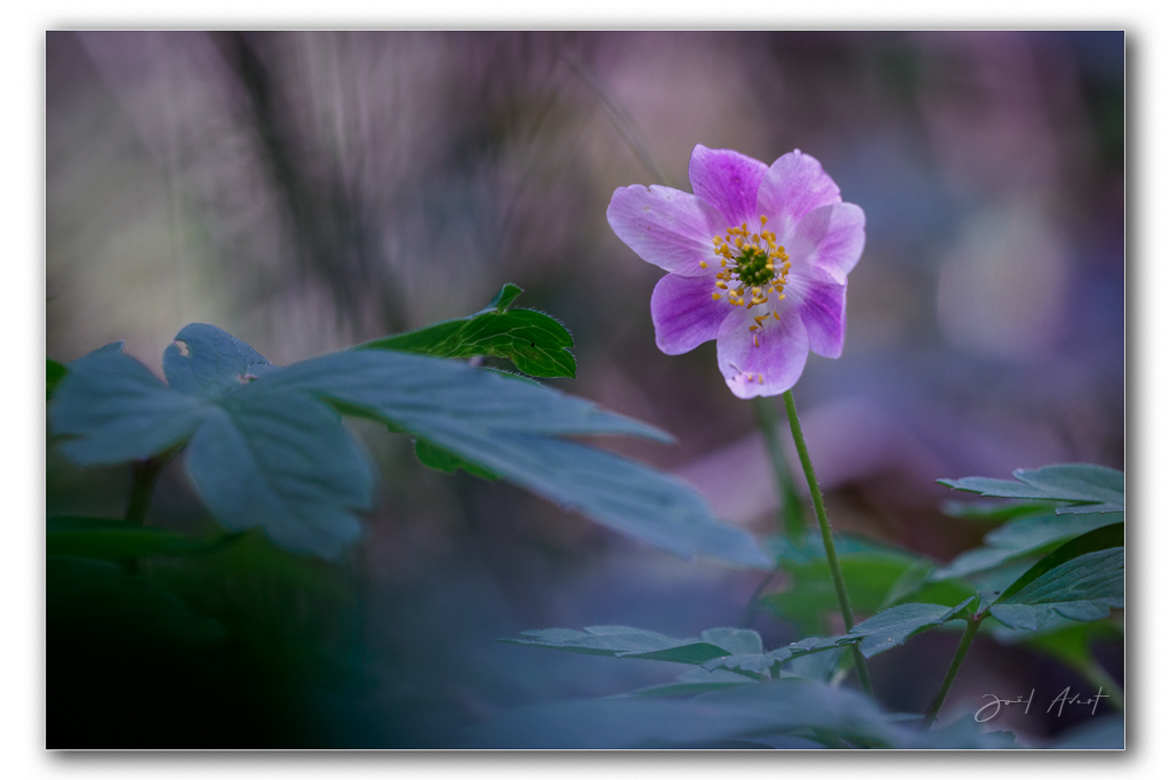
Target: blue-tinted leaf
[283,461]
[695,681]
[1083,483]
[206,361]
[443,460]
[111,409]
[760,712]
[270,450]
[627,642]
[894,626]
[535,342]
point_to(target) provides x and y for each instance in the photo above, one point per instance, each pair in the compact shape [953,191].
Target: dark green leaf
[994,511]
[535,342]
[444,460]
[114,539]
[1098,539]
[54,373]
[1085,588]
[894,626]
[1025,536]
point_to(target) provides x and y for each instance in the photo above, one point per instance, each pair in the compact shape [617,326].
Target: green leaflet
[114,539]
[1082,580]
[536,343]
[54,373]
[627,642]
[267,448]
[1026,535]
[1094,488]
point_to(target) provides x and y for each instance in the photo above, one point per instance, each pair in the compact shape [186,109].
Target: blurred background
[307,191]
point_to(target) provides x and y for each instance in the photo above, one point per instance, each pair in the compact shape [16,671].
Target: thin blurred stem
[956,662]
[788,515]
[789,519]
[145,475]
[622,121]
[1096,674]
[814,490]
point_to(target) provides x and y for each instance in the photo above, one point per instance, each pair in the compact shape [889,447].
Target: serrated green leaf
[1102,538]
[444,460]
[1029,535]
[627,642]
[1082,483]
[894,626]
[270,451]
[1085,588]
[508,293]
[535,342]
[115,539]
[54,373]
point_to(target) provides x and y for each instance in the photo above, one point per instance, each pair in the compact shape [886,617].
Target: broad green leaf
[54,373]
[535,342]
[1082,483]
[1027,535]
[730,715]
[1101,538]
[892,627]
[627,642]
[115,539]
[267,447]
[1085,588]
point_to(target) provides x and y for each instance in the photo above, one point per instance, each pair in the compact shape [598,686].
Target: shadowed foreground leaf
[267,447]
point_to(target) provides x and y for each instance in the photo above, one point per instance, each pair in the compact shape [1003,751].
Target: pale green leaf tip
[505,297]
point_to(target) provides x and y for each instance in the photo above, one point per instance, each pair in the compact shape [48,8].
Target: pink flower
[757,260]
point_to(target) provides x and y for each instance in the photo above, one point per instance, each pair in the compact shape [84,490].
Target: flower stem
[814,490]
[145,474]
[956,662]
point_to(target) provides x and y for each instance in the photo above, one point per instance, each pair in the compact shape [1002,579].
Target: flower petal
[830,238]
[684,313]
[779,358]
[793,186]
[727,180]
[669,228]
[822,311]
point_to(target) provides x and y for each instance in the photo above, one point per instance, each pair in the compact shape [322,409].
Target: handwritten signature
[1067,696]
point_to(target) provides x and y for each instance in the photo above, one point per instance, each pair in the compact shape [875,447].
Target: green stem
[1096,674]
[956,662]
[814,490]
[789,518]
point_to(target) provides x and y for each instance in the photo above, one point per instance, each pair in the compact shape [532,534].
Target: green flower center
[753,267]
